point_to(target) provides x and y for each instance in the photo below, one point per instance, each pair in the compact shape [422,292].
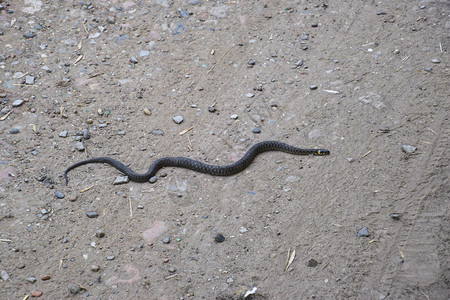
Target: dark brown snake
[187,163]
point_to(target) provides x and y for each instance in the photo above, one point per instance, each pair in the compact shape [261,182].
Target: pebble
[74,289]
[17,103]
[312,263]
[435,61]
[95,268]
[256,130]
[350,159]
[14,130]
[211,109]
[363,232]
[110,257]
[121,180]
[166,240]
[251,62]
[86,134]
[133,60]
[29,79]
[313,87]
[92,214]
[143,53]
[29,35]
[79,146]
[63,134]
[243,230]
[153,179]
[385,129]
[4,275]
[31,279]
[140,206]
[230,280]
[395,216]
[299,63]
[314,24]
[409,149]
[100,233]
[36,294]
[46,277]
[219,238]
[147,111]
[234,116]
[178,119]
[59,195]
[158,132]
[249,95]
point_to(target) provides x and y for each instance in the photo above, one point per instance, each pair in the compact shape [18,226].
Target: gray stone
[121,180]
[256,130]
[100,233]
[133,60]
[313,87]
[166,240]
[86,134]
[4,275]
[234,116]
[92,214]
[31,279]
[158,132]
[59,195]
[409,149]
[17,103]
[243,230]
[29,79]
[79,146]
[435,61]
[153,179]
[110,257]
[63,134]
[143,53]
[14,130]
[363,232]
[178,119]
[29,35]
[249,95]
[299,63]
[74,289]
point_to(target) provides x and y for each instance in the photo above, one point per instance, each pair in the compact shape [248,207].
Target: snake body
[187,163]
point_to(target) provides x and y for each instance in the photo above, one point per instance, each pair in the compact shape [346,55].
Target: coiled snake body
[187,163]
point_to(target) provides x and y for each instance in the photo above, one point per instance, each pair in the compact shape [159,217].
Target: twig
[432,131]
[212,68]
[440,46]
[86,189]
[85,29]
[5,116]
[426,296]
[186,130]
[190,144]
[131,209]
[368,152]
[95,75]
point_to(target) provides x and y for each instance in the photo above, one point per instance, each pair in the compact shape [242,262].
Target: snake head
[322,152]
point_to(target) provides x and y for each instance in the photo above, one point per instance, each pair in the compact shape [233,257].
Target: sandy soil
[360,78]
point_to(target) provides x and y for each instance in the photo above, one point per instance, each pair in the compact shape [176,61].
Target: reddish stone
[36,294]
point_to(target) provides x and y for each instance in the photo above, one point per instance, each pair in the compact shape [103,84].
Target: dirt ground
[368,80]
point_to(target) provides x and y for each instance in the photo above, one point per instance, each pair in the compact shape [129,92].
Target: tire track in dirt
[416,264]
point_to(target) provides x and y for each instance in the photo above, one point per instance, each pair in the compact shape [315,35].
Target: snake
[187,163]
